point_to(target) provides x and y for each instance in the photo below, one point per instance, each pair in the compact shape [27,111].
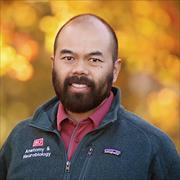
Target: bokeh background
[149,41]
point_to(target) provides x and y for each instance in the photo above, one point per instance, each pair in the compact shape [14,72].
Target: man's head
[85,62]
[114,40]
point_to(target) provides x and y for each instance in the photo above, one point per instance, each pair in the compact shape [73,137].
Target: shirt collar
[96,117]
[61,115]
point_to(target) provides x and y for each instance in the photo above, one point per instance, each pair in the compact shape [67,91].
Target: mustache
[79,80]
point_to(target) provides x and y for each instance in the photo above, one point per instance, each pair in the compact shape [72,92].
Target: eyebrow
[94,53]
[66,51]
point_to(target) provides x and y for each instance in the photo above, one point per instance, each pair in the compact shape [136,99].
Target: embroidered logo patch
[37,150]
[112,151]
[38,142]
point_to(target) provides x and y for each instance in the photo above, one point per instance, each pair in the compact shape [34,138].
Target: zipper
[90,151]
[85,166]
[68,165]
[72,137]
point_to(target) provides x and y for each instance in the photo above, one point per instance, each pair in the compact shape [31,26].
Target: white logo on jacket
[37,150]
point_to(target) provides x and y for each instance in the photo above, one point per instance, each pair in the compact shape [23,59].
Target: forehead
[88,35]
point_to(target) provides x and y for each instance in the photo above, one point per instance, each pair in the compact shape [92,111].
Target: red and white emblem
[38,142]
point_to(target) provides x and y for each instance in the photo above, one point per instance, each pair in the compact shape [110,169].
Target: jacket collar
[113,112]
[45,116]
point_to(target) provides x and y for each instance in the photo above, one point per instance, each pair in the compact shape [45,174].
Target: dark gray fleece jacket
[123,147]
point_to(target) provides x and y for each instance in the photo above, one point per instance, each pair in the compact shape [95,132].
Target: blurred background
[149,41]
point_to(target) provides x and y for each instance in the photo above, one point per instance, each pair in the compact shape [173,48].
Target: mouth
[79,87]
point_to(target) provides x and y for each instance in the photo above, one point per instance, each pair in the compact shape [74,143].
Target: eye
[95,60]
[68,58]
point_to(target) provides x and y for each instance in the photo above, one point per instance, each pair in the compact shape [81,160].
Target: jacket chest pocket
[102,165]
[110,164]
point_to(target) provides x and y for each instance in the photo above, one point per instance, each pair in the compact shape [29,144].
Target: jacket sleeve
[166,162]
[4,158]
[5,155]
[7,150]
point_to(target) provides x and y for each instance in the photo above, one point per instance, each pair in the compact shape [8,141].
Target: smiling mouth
[79,87]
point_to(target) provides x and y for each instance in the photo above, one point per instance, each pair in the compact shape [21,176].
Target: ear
[116,70]
[52,60]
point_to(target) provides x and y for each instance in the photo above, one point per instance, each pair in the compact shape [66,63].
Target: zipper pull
[90,151]
[68,164]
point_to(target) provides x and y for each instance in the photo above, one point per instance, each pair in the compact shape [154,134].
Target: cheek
[61,71]
[102,81]
[58,76]
[102,73]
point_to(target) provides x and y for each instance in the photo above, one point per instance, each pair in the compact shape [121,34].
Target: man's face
[83,69]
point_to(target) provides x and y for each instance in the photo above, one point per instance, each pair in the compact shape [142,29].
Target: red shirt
[72,133]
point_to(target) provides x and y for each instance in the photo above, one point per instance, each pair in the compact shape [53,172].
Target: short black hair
[108,26]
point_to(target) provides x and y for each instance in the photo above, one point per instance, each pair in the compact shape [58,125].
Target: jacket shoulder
[154,135]
[21,125]
[165,159]
[17,131]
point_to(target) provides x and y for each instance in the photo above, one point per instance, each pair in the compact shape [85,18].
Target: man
[83,133]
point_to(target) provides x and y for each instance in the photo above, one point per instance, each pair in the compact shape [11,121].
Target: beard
[79,102]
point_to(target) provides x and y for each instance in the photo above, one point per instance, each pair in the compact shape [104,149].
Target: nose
[80,68]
